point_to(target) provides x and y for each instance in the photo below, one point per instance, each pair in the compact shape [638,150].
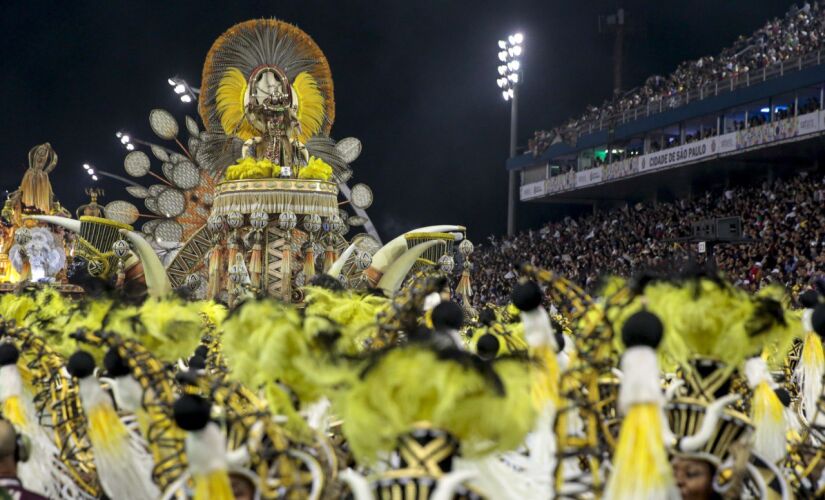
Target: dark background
[415,81]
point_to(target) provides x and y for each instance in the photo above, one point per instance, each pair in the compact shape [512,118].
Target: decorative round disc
[156,189]
[149,226]
[160,153]
[137,164]
[343,214]
[357,220]
[366,243]
[137,191]
[121,211]
[185,175]
[163,124]
[349,149]
[167,169]
[171,202]
[192,126]
[361,196]
[152,204]
[168,231]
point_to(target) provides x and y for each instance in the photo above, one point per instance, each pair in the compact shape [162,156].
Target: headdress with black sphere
[538,332]
[205,448]
[640,463]
[123,465]
[810,370]
[447,318]
[127,391]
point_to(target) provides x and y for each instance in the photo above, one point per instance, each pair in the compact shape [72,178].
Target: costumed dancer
[811,367]
[641,469]
[124,467]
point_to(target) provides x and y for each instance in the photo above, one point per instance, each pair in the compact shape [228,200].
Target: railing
[713,89]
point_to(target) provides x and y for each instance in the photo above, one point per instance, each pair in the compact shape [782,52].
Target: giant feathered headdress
[238,55]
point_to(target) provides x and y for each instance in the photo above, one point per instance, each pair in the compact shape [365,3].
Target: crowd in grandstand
[799,32]
[785,220]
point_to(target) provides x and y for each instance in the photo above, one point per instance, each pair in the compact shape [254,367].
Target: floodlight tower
[509,80]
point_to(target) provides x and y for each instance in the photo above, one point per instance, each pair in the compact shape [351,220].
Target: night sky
[415,81]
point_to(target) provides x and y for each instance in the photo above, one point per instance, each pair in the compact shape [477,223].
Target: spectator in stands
[785,220]
[798,33]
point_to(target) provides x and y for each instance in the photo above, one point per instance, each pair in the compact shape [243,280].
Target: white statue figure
[37,255]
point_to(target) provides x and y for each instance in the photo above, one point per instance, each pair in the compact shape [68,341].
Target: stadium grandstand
[646,177]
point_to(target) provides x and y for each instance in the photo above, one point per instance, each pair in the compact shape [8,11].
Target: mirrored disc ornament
[121,211]
[167,169]
[357,220]
[194,145]
[192,126]
[152,205]
[137,191]
[366,243]
[137,164]
[343,214]
[149,226]
[160,153]
[171,203]
[163,124]
[156,189]
[168,231]
[361,196]
[185,175]
[349,149]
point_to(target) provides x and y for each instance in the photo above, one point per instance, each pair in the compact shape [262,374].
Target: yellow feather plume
[310,105]
[229,100]
[411,384]
[212,486]
[640,464]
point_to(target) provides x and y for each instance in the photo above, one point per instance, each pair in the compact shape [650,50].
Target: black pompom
[487,316]
[809,299]
[327,281]
[201,351]
[818,320]
[115,365]
[197,363]
[448,315]
[487,346]
[643,328]
[81,364]
[8,354]
[783,396]
[526,296]
[191,412]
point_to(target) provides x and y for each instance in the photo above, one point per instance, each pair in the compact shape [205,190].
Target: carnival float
[243,344]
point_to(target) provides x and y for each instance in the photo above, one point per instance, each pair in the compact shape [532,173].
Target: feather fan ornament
[229,100]
[310,106]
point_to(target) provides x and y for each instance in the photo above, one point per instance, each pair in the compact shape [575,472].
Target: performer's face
[694,478]
[242,487]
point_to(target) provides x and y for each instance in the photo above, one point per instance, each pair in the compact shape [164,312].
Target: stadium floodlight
[184,90]
[509,79]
